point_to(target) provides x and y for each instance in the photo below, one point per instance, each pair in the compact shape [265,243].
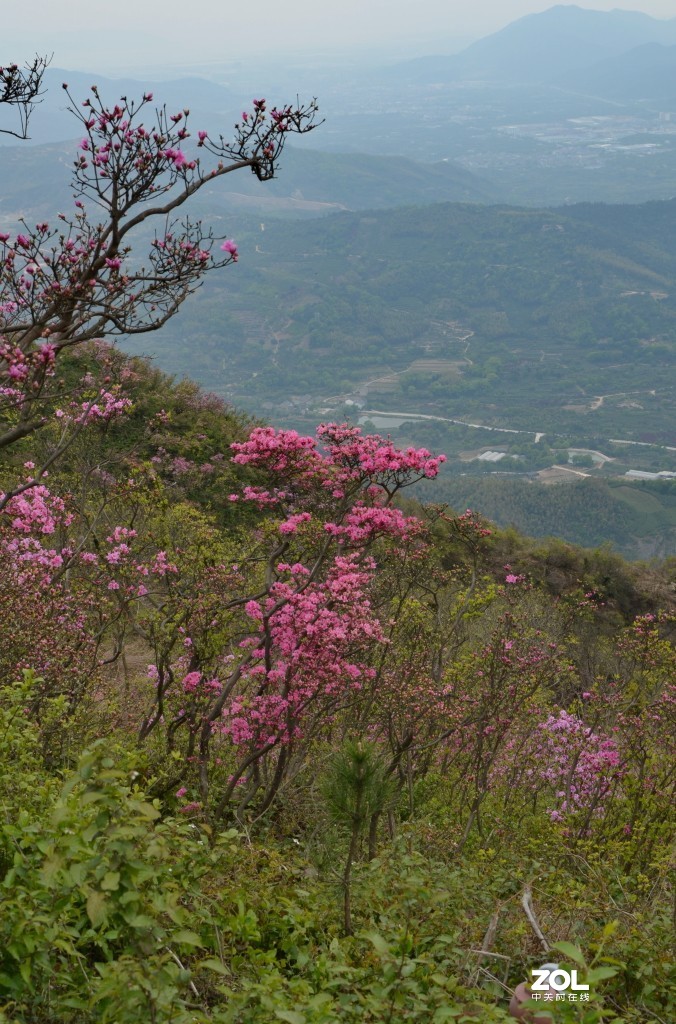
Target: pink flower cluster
[348,455]
[363,523]
[277,451]
[108,406]
[194,682]
[37,511]
[577,763]
[375,457]
[307,648]
[19,368]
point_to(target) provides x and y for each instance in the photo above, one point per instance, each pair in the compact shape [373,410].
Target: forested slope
[555,307]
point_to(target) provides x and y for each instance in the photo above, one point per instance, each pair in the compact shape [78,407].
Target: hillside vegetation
[421,724]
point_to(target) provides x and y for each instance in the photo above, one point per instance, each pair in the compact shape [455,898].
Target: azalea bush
[324,611]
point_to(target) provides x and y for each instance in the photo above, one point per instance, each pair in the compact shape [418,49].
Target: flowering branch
[64,285]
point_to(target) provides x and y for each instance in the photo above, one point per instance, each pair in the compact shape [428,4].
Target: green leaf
[600,974]
[139,920]
[291,1016]
[185,937]
[378,942]
[50,869]
[110,881]
[147,810]
[212,964]
[92,796]
[176,914]
[573,953]
[97,911]
[90,832]
[613,962]
[321,999]
[10,984]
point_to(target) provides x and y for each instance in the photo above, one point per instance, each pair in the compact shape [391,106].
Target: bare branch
[21,88]
[527,904]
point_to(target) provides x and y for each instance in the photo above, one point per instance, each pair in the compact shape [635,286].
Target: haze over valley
[530,327]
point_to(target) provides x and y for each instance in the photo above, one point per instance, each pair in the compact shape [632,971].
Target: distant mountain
[647,72]
[51,122]
[35,183]
[357,181]
[542,47]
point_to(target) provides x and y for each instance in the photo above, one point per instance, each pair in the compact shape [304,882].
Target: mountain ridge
[541,47]
[645,73]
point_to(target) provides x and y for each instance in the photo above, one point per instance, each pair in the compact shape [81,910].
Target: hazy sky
[89,34]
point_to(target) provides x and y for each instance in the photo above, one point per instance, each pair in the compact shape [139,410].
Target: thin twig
[183,968]
[496,980]
[491,931]
[526,903]
[487,952]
